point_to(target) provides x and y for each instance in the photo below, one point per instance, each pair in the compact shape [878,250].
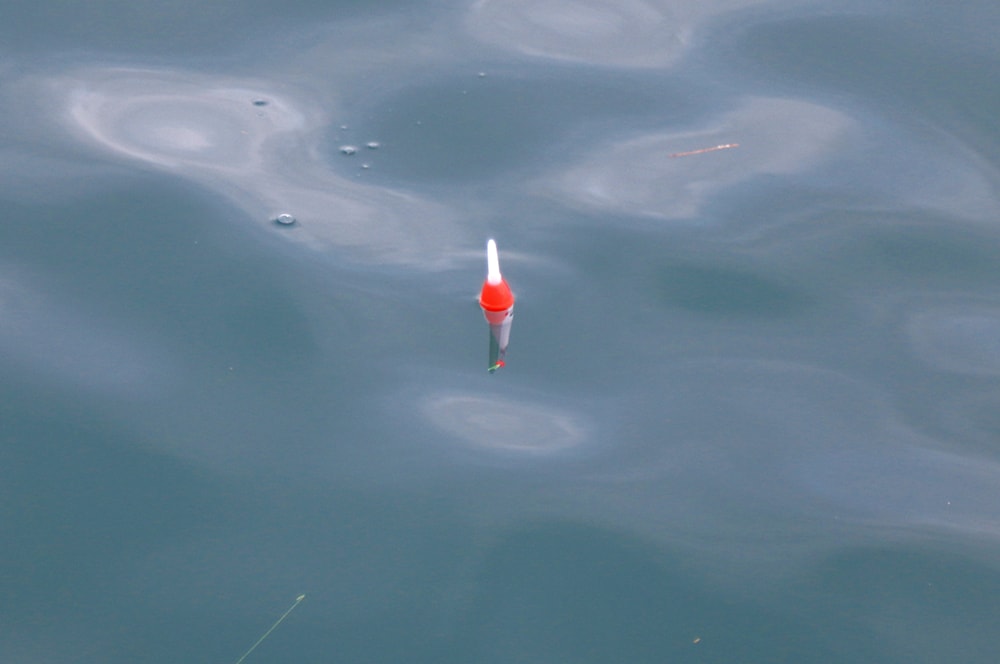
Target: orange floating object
[497,302]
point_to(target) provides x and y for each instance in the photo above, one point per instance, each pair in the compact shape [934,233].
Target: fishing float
[497,302]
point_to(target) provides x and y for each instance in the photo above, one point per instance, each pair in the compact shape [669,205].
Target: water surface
[749,412]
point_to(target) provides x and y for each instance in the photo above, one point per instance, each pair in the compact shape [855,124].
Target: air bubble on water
[284,219]
[366,166]
[481,74]
[373,145]
[348,149]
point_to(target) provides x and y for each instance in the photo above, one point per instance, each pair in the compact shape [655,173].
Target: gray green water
[750,407]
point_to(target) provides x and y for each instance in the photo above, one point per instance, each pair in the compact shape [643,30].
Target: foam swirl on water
[627,33]
[504,425]
[257,146]
[645,176]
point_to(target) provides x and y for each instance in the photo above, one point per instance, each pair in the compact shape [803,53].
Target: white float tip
[492,264]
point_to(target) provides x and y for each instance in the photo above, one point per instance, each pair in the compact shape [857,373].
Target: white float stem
[492,264]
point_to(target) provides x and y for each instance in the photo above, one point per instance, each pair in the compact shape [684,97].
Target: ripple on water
[626,33]
[255,147]
[176,121]
[646,176]
[505,425]
[960,338]
[974,416]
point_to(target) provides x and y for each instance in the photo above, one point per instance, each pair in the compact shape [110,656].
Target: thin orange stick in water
[726,146]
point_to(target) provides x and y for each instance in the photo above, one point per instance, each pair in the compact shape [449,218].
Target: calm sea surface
[751,408]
